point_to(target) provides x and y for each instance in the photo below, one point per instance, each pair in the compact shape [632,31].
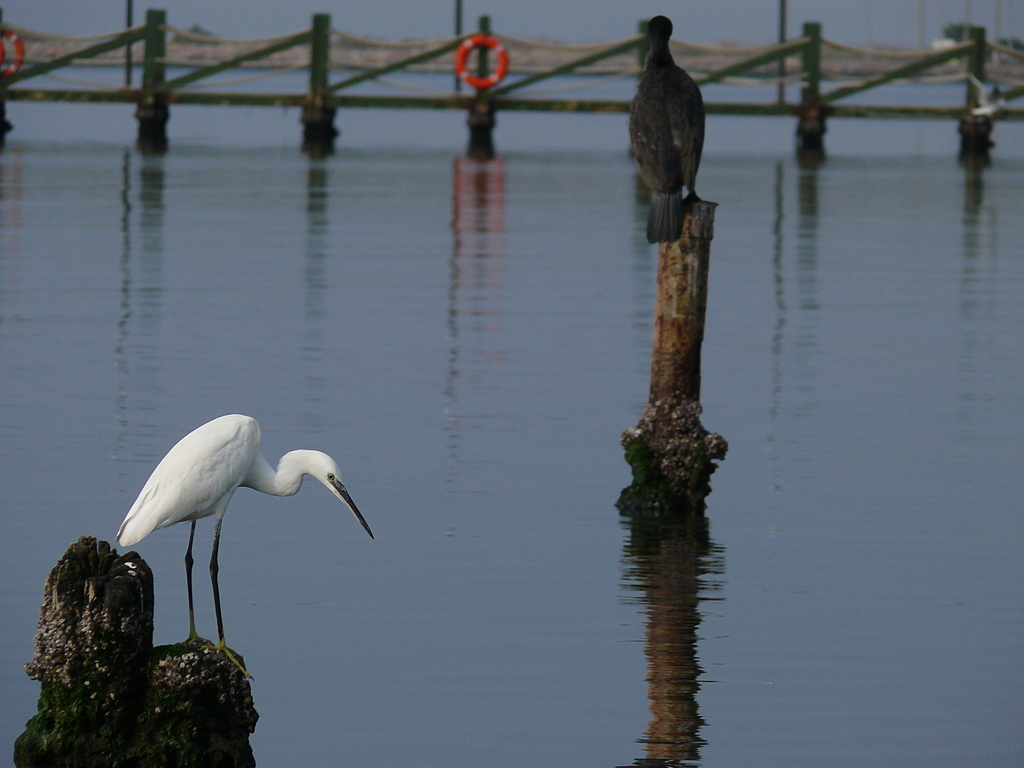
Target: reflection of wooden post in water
[669,560]
[478,226]
[478,203]
[671,453]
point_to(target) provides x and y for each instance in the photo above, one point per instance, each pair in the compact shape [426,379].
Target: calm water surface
[468,341]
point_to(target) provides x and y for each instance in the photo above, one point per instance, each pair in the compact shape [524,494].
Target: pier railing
[808,62]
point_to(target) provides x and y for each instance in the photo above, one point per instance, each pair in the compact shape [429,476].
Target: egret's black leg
[192,635]
[214,569]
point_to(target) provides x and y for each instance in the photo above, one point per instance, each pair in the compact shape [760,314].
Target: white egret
[197,477]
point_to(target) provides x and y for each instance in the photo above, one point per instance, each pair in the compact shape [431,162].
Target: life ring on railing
[467,47]
[10,37]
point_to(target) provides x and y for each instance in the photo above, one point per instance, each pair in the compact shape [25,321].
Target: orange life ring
[462,55]
[10,37]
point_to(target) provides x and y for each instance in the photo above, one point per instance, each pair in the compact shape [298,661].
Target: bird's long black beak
[339,489]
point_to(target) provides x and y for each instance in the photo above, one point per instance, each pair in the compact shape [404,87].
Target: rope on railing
[28,33]
[722,50]
[882,53]
[369,42]
[546,45]
[196,37]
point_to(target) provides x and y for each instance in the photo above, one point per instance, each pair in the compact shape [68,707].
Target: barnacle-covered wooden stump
[670,451]
[109,699]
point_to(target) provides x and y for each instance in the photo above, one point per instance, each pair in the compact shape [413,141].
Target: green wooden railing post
[975,130]
[153,67]
[975,61]
[811,60]
[318,131]
[319,52]
[645,44]
[152,112]
[482,61]
[810,128]
[481,120]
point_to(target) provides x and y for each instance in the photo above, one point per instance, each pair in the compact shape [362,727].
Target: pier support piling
[670,451]
[5,124]
[975,141]
[481,122]
[810,129]
[152,134]
[318,131]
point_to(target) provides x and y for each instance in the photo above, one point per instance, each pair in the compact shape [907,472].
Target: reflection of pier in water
[795,345]
[141,306]
[979,303]
[669,564]
[478,249]
[314,297]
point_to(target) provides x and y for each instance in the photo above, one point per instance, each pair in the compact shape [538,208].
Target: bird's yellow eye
[330,476]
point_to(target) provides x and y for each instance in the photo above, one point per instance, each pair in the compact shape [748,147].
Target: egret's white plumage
[200,473]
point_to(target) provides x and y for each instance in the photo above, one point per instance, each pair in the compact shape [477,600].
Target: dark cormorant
[666,130]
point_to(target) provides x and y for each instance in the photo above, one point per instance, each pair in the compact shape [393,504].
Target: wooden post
[481,120]
[975,130]
[810,128]
[782,62]
[152,112]
[318,131]
[976,58]
[128,21]
[680,302]
[670,451]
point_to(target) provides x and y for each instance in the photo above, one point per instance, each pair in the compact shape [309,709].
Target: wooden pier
[809,62]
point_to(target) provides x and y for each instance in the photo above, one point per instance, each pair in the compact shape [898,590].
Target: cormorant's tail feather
[665,220]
